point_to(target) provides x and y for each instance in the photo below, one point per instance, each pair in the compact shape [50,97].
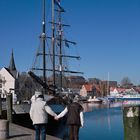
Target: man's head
[37,93]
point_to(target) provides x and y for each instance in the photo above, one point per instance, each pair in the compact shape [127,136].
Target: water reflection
[102,122]
[88,107]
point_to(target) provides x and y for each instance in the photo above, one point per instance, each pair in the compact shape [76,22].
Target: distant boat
[128,96]
[94,100]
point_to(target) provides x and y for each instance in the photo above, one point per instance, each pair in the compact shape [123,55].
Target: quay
[17,132]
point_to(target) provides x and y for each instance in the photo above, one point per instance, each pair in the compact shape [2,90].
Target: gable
[5,73]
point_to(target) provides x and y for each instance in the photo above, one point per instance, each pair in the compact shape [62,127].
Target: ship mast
[60,51]
[61,40]
[43,81]
[53,46]
[43,38]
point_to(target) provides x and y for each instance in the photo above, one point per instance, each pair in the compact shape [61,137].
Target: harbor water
[103,124]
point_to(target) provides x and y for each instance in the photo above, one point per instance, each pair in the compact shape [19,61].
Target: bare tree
[126,82]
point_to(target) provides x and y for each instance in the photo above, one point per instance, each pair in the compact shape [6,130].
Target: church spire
[12,66]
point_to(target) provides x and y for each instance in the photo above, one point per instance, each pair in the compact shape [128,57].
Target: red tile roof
[88,87]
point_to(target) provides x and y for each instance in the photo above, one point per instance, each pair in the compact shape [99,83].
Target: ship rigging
[52,78]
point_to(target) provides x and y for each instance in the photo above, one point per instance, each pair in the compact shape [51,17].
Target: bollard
[4,129]
[131,121]
[9,107]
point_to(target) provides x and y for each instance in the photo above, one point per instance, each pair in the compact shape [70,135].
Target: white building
[8,79]
[86,89]
[114,92]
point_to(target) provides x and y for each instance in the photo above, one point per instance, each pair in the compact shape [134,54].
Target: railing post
[9,107]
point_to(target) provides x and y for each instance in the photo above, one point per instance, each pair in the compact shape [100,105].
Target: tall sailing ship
[50,68]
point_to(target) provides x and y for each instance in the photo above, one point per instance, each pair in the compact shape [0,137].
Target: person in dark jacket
[75,119]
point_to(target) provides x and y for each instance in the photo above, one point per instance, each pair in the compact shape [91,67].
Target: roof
[88,87]
[12,73]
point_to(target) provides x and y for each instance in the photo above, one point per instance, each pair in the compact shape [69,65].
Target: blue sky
[107,33]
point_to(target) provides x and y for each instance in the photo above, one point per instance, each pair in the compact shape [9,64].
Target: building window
[0,85]
[0,91]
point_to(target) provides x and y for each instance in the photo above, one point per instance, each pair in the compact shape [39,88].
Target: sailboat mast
[53,46]
[43,37]
[108,84]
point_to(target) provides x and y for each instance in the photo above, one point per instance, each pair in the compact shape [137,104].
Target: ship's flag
[66,43]
[57,2]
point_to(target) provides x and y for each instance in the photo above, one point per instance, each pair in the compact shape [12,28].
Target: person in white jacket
[39,115]
[75,119]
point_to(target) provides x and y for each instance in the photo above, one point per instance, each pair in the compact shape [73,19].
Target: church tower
[12,66]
